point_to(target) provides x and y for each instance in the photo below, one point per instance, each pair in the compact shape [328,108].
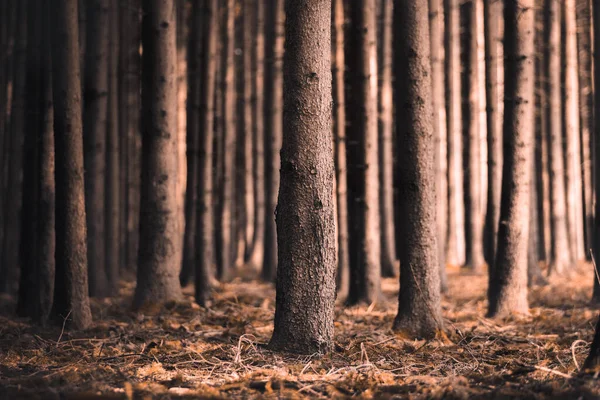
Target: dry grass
[187,352]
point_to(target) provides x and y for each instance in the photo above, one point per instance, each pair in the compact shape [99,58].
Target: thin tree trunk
[274,39]
[71,301]
[474,229]
[362,153]
[419,311]
[593,359]
[440,129]
[113,211]
[205,244]
[386,163]
[572,134]
[182,86]
[249,9]
[455,237]
[560,258]
[158,269]
[596,159]
[305,213]
[339,128]
[508,287]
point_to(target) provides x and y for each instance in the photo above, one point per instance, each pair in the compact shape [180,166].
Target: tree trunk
[419,311]
[455,237]
[508,286]
[596,158]
[560,257]
[12,204]
[386,163]
[71,301]
[195,85]
[474,230]
[256,258]
[339,128]
[304,308]
[362,153]
[436,29]
[158,269]
[274,39]
[593,359]
[493,12]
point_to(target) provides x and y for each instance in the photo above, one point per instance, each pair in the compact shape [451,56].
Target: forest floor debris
[184,351]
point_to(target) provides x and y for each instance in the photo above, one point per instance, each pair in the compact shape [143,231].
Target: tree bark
[274,39]
[474,259]
[71,301]
[158,269]
[362,152]
[305,300]
[456,235]
[508,287]
[596,158]
[593,359]
[419,311]
[386,163]
[560,257]
[440,129]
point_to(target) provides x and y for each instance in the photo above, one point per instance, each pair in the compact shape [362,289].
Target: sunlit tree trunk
[305,300]
[508,287]
[71,301]
[596,159]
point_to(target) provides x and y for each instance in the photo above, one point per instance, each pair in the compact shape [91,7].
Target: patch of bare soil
[183,351]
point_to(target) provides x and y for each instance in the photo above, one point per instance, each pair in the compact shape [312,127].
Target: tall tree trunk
[205,244]
[572,134]
[419,311]
[474,230]
[274,39]
[12,204]
[386,163]
[257,254]
[593,359]
[113,212]
[182,85]
[362,153]
[5,8]
[339,128]
[71,301]
[455,237]
[45,224]
[158,269]
[596,158]
[493,12]
[508,287]
[195,85]
[560,257]
[440,129]
[304,308]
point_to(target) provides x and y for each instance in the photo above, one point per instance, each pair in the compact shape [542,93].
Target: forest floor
[183,351]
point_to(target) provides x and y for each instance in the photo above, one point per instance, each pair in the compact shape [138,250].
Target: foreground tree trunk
[596,158]
[95,97]
[362,151]
[205,245]
[508,287]
[419,311]
[71,301]
[593,359]
[305,213]
[158,269]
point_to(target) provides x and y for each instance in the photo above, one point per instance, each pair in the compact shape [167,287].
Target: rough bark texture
[95,97]
[274,39]
[386,162]
[113,212]
[248,167]
[362,153]
[572,134]
[205,245]
[508,287]
[593,359]
[493,12]
[474,259]
[195,54]
[5,34]
[419,311]
[158,269]
[455,237]
[596,155]
[305,212]
[560,257]
[339,128]
[71,301]
[440,129]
